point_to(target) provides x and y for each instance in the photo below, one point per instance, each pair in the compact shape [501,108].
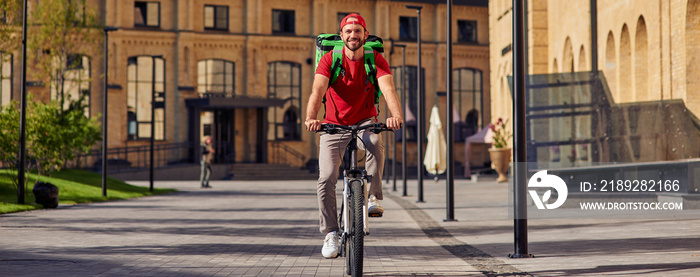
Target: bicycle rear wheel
[355,243]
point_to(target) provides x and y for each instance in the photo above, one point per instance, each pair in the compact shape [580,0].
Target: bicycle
[353,217]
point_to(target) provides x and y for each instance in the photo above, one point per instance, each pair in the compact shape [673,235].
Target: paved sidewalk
[235,229]
[270,228]
[571,246]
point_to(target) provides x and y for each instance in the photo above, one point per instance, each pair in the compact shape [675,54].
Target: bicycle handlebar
[335,128]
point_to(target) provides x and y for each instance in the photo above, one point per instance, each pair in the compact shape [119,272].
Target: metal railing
[283,154]
[130,158]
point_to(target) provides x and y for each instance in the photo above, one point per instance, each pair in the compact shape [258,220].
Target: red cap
[359,20]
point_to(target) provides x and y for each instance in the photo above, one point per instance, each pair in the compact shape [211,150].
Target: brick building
[241,71]
[647,53]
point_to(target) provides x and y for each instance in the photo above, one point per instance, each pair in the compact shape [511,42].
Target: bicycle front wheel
[355,244]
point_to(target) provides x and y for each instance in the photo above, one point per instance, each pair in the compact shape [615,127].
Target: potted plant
[499,151]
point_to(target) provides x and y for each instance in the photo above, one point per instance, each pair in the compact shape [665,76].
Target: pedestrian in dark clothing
[207,157]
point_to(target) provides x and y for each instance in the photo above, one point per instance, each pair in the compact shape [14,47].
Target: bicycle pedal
[375,214]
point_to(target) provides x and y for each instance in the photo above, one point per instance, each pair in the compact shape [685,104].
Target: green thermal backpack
[332,42]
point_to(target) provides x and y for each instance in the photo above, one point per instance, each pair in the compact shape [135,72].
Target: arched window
[568,57]
[284,82]
[582,64]
[216,78]
[611,65]
[142,88]
[74,85]
[5,78]
[641,61]
[625,92]
[468,92]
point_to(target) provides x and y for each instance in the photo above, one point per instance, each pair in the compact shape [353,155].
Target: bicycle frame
[351,174]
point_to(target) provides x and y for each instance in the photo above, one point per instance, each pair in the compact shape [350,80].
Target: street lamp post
[153,117]
[404,164]
[450,134]
[403,126]
[421,119]
[104,111]
[23,111]
[519,128]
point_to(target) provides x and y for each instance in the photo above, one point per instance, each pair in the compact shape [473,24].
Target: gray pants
[331,149]
[205,173]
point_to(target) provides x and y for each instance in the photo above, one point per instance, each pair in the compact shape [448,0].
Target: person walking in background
[207,156]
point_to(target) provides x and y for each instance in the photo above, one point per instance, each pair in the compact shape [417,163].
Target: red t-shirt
[348,100]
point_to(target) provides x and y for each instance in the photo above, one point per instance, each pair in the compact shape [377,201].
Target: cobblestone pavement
[270,228]
[234,229]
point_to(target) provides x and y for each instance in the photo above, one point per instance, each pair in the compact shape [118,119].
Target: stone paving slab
[271,229]
[617,246]
[235,229]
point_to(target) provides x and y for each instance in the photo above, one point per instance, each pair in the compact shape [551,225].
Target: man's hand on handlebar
[394,123]
[312,125]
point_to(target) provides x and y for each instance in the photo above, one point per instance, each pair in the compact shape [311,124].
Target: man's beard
[359,44]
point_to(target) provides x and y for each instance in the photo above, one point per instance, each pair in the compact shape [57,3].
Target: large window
[75,85]
[468,92]
[142,87]
[284,82]
[408,28]
[216,17]
[283,22]
[146,14]
[215,78]
[466,31]
[5,78]
[411,86]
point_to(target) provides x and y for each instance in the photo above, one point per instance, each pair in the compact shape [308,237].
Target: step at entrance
[254,171]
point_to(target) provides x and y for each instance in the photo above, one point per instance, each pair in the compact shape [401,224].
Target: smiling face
[354,35]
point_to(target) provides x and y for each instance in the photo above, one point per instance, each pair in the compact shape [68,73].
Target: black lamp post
[104,111]
[404,164]
[403,127]
[450,205]
[519,126]
[23,111]
[421,119]
[153,118]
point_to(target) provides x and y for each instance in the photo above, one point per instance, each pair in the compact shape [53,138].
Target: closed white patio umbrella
[436,151]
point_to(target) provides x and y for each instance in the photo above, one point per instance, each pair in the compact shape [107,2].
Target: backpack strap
[336,64]
[371,70]
[336,67]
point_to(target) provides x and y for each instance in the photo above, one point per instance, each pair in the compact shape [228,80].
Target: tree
[65,34]
[54,135]
[10,28]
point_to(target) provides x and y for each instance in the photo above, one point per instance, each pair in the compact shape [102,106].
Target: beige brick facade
[653,45]
[251,45]
[647,50]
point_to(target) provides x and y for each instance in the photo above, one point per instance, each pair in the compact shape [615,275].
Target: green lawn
[75,186]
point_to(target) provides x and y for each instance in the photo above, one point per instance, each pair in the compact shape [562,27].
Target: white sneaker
[374,209]
[330,246]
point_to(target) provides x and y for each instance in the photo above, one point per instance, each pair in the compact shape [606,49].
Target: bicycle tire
[358,236]
[346,241]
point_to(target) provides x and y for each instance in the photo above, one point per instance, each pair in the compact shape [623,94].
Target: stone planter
[500,160]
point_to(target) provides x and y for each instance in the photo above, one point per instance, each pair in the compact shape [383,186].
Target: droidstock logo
[542,180]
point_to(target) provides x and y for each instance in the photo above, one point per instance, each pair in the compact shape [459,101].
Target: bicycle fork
[346,204]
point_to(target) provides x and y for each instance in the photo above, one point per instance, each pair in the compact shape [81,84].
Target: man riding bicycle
[349,101]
